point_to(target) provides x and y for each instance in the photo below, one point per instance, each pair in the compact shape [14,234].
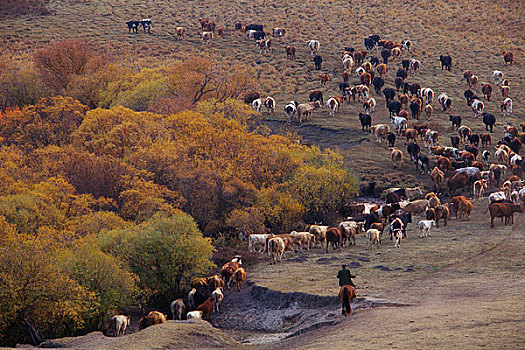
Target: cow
[428,94]
[489,120]
[464,132]
[346,76]
[380,131]
[414,66]
[366,121]
[348,62]
[276,247]
[385,54]
[239,276]
[503,210]
[217,297]
[249,97]
[194,315]
[313,45]
[486,89]
[425,226]
[445,102]
[473,81]
[290,52]
[378,83]
[391,138]
[229,268]
[319,232]
[399,123]
[456,120]
[478,188]
[382,69]
[397,157]
[207,37]
[257,27]
[415,207]
[332,105]
[325,79]
[306,109]
[413,150]
[269,103]
[279,33]
[359,56]
[318,60]
[264,45]
[133,26]
[506,107]
[334,236]
[374,237]
[316,95]
[410,134]
[349,230]
[415,108]
[181,33]
[153,318]
[508,57]
[394,108]
[178,309]
[446,62]
[437,177]
[290,109]
[469,96]
[256,105]
[477,108]
[119,323]
[437,213]
[206,308]
[458,181]
[389,94]
[405,44]
[498,77]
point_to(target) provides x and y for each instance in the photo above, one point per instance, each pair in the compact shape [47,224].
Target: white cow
[425,226]
[119,324]
[194,315]
[256,105]
[333,105]
[314,46]
[506,106]
[290,109]
[477,108]
[397,234]
[257,241]
[428,94]
[400,123]
[217,297]
[497,197]
[497,76]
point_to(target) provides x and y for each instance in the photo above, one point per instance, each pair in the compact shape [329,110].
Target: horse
[346,293]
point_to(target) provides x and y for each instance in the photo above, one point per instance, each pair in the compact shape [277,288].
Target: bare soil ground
[466,282]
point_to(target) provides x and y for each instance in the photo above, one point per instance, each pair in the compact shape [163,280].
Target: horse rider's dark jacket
[345,277]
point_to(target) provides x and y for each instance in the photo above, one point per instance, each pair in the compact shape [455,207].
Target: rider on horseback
[345,277]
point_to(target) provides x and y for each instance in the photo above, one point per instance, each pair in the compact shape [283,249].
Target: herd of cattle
[205,296]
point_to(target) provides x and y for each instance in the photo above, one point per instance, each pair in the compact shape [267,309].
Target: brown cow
[365,78]
[457,181]
[249,97]
[334,236]
[346,76]
[464,209]
[153,318]
[429,110]
[485,139]
[439,212]
[229,269]
[239,277]
[325,79]
[508,57]
[454,204]
[290,52]
[214,282]
[443,163]
[486,89]
[437,177]
[503,210]
[382,69]
[206,308]
[181,32]
[397,157]
[410,134]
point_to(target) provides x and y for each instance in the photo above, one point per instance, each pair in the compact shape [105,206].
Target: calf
[425,226]
[206,308]
[374,237]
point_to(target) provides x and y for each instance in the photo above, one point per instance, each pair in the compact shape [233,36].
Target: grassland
[466,282]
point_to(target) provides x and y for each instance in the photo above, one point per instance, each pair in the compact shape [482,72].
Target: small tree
[165,252]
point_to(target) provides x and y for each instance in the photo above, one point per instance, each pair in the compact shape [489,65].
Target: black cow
[391,137]
[394,107]
[369,44]
[468,96]
[316,95]
[454,139]
[413,150]
[474,139]
[133,26]
[366,121]
[256,27]
[489,120]
[402,73]
[446,62]
[423,161]
[406,87]
[460,163]
[317,62]
[456,120]
[370,219]
[259,35]
[415,89]
[389,95]
[472,149]
[378,83]
[399,82]
[375,38]
[374,61]
[405,64]
[342,87]
[392,198]
[385,53]
[515,145]
[415,109]
[146,25]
